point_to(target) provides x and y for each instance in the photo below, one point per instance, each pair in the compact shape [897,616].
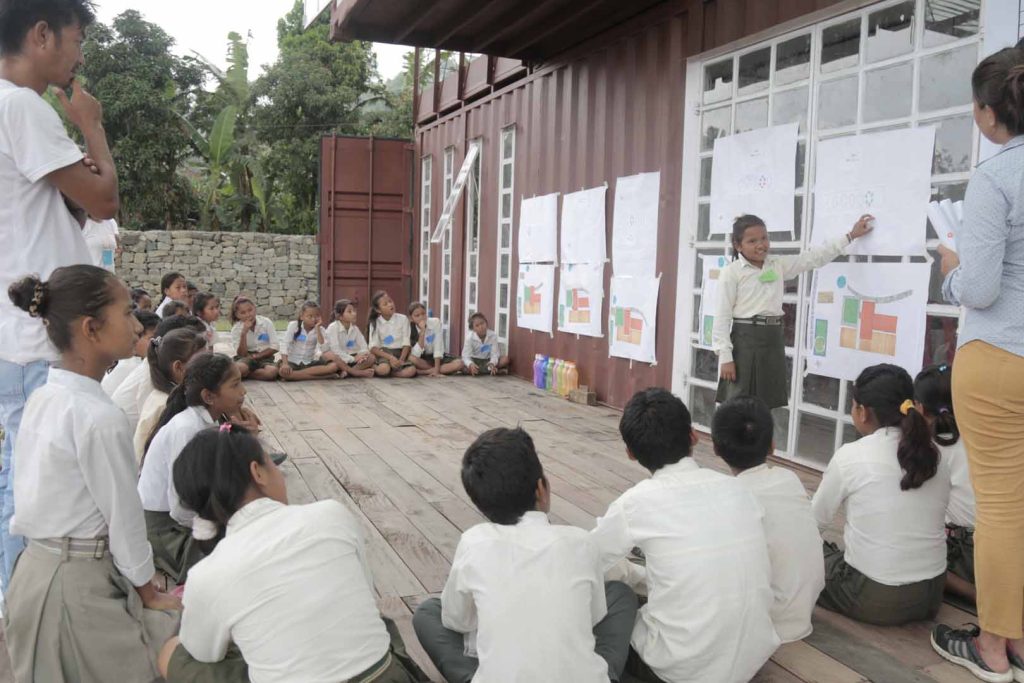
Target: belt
[761,320]
[375,671]
[94,548]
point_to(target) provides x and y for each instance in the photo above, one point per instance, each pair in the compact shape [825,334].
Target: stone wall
[278,272]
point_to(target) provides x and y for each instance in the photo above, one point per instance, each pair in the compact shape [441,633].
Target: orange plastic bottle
[572,380]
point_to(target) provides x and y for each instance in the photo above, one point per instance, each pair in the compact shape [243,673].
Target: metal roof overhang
[531,31]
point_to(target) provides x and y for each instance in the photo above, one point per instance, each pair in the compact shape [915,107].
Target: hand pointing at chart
[863,226]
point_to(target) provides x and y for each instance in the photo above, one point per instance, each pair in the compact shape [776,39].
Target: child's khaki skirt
[759,351]
[175,551]
[73,618]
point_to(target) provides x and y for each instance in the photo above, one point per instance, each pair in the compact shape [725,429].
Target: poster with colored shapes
[887,175]
[583,226]
[712,266]
[632,318]
[538,229]
[635,226]
[535,296]
[863,314]
[754,172]
[581,298]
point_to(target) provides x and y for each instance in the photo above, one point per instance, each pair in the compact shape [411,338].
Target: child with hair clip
[894,485]
[748,333]
[306,608]
[81,605]
[301,340]
[141,300]
[206,307]
[346,344]
[190,296]
[253,340]
[933,398]
[211,391]
[176,308]
[173,287]
[481,352]
[427,339]
[389,338]
[122,368]
[173,352]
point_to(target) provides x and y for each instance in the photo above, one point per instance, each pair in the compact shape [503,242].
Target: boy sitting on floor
[530,592]
[742,432]
[708,615]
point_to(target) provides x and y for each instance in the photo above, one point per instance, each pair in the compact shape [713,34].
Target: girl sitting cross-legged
[427,338]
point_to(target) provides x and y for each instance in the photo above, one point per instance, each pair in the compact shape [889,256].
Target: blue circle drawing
[841,282]
[721,261]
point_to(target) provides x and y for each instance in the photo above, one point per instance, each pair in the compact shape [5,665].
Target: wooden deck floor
[390,451]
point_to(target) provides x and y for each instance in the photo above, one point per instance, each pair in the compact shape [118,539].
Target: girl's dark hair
[933,389]
[212,474]
[339,307]
[476,315]
[189,287]
[306,305]
[72,292]
[178,345]
[200,301]
[235,303]
[205,371]
[137,294]
[414,331]
[739,228]
[884,389]
[168,280]
[998,83]
[148,320]
[371,320]
[175,307]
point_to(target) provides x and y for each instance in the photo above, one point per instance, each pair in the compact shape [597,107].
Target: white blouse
[156,484]
[133,392]
[300,345]
[431,343]
[263,337]
[961,497]
[149,417]
[346,342]
[390,334]
[113,379]
[486,348]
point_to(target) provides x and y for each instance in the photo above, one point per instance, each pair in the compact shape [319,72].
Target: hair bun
[31,295]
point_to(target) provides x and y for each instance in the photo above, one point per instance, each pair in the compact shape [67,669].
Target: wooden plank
[773,673]
[299,492]
[876,653]
[396,610]
[947,672]
[813,666]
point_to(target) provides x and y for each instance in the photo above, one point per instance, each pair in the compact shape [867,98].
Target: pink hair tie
[226,427]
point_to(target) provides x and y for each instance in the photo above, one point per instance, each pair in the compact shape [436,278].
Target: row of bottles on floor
[554,374]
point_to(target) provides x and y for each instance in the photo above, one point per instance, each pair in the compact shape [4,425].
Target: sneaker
[1016,665]
[960,647]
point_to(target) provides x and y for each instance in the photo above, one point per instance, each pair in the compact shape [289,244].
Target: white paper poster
[712,267]
[583,226]
[538,229]
[535,297]
[863,314]
[632,316]
[581,298]
[635,225]
[754,172]
[887,175]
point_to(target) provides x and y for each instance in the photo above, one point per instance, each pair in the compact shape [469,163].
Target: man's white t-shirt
[101,238]
[37,232]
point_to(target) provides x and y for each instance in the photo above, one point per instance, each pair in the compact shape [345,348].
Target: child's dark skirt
[759,352]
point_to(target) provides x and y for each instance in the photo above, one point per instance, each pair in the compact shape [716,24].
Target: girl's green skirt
[759,352]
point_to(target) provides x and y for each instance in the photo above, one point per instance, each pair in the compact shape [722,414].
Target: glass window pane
[887,92]
[702,405]
[751,114]
[754,71]
[821,391]
[695,323]
[703,222]
[503,296]
[840,46]
[506,176]
[946,21]
[837,103]
[446,313]
[507,138]
[940,342]
[953,140]
[718,81]
[946,78]
[472,265]
[447,264]
[504,266]
[472,295]
[705,177]
[801,164]
[793,60]
[506,205]
[891,31]
[705,365]
[715,123]
[790,106]
[780,416]
[446,288]
[503,325]
[817,438]
[789,324]
[849,434]
[506,235]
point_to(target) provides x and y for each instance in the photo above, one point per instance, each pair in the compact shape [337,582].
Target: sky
[203,26]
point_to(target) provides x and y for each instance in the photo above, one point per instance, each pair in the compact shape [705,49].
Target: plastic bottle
[573,378]
[538,361]
[563,379]
[559,375]
[542,372]
[549,374]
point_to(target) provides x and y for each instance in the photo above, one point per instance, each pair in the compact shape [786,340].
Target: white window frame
[446,251]
[687,341]
[503,305]
[426,178]
[473,199]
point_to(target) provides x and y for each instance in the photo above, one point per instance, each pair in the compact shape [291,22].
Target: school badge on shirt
[390,339]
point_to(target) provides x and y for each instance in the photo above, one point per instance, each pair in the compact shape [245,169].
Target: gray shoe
[960,647]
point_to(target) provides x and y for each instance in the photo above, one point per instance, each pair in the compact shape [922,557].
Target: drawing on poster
[754,173]
[535,292]
[712,268]
[581,298]
[635,225]
[867,313]
[887,175]
[632,318]
[538,229]
[583,226]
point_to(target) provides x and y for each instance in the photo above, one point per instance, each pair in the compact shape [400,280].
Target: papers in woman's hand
[946,217]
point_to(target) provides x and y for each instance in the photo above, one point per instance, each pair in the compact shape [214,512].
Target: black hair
[72,292]
[168,280]
[306,305]
[884,389]
[476,315]
[212,474]
[933,389]
[371,320]
[206,371]
[414,330]
[148,320]
[340,305]
[189,287]
[739,228]
[998,83]
[137,294]
[500,471]
[175,307]
[656,428]
[17,17]
[742,431]
[176,322]
[177,345]
[236,302]
[200,301]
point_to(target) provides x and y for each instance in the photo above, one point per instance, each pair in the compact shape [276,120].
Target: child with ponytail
[894,486]
[254,341]
[303,337]
[75,604]
[122,368]
[305,610]
[346,345]
[389,338]
[427,339]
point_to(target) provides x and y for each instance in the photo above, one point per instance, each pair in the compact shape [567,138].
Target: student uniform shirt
[113,379]
[131,396]
[156,484]
[794,547]
[290,586]
[961,496]
[432,342]
[149,418]
[891,536]
[163,304]
[210,334]
[75,474]
[101,238]
[347,343]
[533,592]
[37,231]
[488,348]
[301,348]
[390,334]
[263,337]
[708,617]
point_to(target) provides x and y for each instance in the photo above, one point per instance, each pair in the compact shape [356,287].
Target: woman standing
[986,277]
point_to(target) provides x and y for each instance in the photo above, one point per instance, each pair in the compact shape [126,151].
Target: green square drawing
[709,324]
[820,337]
[561,315]
[620,316]
[851,310]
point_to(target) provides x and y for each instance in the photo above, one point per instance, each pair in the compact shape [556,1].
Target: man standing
[41,167]
[104,241]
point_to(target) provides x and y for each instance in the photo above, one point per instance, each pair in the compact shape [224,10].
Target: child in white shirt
[427,338]
[253,340]
[117,374]
[346,345]
[389,338]
[481,352]
[301,341]
[173,287]
[206,307]
[741,431]
[528,593]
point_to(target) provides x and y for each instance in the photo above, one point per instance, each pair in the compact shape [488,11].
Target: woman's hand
[950,260]
[728,372]
[862,227]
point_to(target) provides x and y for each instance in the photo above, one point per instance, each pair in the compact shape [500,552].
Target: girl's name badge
[108,257]
[485,348]
[264,337]
[768,276]
[350,344]
[430,339]
[301,337]
[390,339]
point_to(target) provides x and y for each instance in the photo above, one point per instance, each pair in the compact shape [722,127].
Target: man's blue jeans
[17,382]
